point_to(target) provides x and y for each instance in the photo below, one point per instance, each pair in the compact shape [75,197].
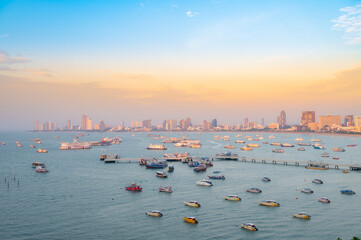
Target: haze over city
[129,60]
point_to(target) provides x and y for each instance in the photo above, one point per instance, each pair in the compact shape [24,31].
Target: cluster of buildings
[328,123]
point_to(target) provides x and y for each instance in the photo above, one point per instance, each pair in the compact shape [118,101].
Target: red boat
[201,168]
[335,158]
[133,187]
[209,164]
[352,145]
[142,162]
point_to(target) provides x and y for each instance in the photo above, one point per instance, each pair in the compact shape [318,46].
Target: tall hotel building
[329,120]
[307,117]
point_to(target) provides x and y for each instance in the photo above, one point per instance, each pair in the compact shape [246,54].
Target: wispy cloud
[192,14]
[350,23]
[5,58]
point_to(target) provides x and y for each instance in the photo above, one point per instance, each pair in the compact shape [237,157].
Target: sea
[83,198]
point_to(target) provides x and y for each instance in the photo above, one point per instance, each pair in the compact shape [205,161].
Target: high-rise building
[245,122]
[281,120]
[349,121]
[329,121]
[307,117]
[182,124]
[68,124]
[147,123]
[357,121]
[89,124]
[205,125]
[214,123]
[172,124]
[83,121]
[188,122]
[37,127]
[262,121]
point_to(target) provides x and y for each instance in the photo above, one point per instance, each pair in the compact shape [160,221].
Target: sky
[135,60]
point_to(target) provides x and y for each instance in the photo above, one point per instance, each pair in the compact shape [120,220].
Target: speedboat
[266,179]
[229,146]
[133,187]
[324,200]
[165,189]
[269,203]
[346,171]
[41,169]
[318,181]
[191,220]
[154,213]
[222,177]
[233,198]
[40,150]
[254,190]
[348,191]
[170,168]
[278,150]
[200,168]
[32,146]
[35,164]
[287,145]
[307,190]
[249,226]
[302,215]
[161,174]
[192,204]
[204,182]
[301,149]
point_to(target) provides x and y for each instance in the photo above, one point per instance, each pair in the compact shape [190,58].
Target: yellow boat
[233,198]
[269,203]
[154,213]
[192,204]
[317,165]
[253,145]
[346,171]
[191,220]
[302,215]
[42,150]
[249,226]
[246,149]
[229,146]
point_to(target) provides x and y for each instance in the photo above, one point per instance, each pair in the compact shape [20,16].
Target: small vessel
[3,143]
[325,154]
[307,190]
[324,200]
[41,150]
[335,158]
[192,204]
[265,142]
[271,136]
[246,148]
[154,213]
[232,198]
[134,188]
[240,141]
[192,220]
[318,146]
[35,164]
[76,145]
[269,203]
[111,158]
[253,145]
[254,190]
[249,226]
[239,135]
[32,146]
[318,181]
[142,161]
[302,215]
[304,144]
[338,149]
[227,156]
[222,177]
[230,146]
[276,144]
[287,145]
[196,146]
[161,174]
[156,147]
[301,149]
[278,150]
[299,139]
[170,168]
[193,163]
[41,169]
[266,179]
[165,189]
[156,164]
[316,140]
[205,182]
[346,171]
[19,145]
[352,145]
[348,191]
[200,168]
[317,165]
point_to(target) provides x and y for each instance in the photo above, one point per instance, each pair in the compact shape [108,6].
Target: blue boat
[222,177]
[347,191]
[266,179]
[156,164]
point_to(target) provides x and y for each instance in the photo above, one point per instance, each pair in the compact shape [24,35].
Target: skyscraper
[329,121]
[214,123]
[68,124]
[147,123]
[281,120]
[89,124]
[348,120]
[307,117]
[205,125]
[83,122]
[245,123]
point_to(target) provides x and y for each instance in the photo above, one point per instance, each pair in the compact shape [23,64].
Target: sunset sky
[135,60]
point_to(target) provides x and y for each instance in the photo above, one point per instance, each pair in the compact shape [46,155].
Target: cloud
[350,23]
[38,72]
[6,59]
[192,14]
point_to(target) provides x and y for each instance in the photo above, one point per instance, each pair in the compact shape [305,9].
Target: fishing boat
[269,203]
[41,169]
[229,146]
[276,144]
[307,190]
[240,141]
[170,168]
[227,156]
[200,168]
[193,163]
[352,145]
[239,135]
[348,191]
[318,181]
[335,158]
[19,145]
[252,145]
[278,150]
[35,164]
[265,142]
[324,200]
[246,148]
[318,146]
[266,179]
[154,213]
[299,139]
[161,174]
[317,165]
[249,226]
[193,204]
[271,136]
[32,146]
[254,190]
[40,150]
[325,154]
[134,188]
[345,171]
[196,146]
[316,140]
[287,145]
[302,215]
[222,177]
[232,198]
[304,144]
[192,220]
[156,147]
[156,164]
[165,189]
[204,182]
[301,149]
[338,149]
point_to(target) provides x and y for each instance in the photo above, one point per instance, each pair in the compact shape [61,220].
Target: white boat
[254,190]
[204,182]
[41,169]
[232,198]
[324,200]
[192,204]
[302,215]
[156,147]
[307,190]
[75,145]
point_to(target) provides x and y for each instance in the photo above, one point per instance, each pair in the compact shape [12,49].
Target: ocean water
[83,198]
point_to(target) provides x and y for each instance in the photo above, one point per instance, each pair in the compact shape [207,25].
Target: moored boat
[41,150]
[266,179]
[352,145]
[170,168]
[227,156]
[316,165]
[76,145]
[142,162]
[338,149]
[249,226]
[269,203]
[302,215]
[230,146]
[348,191]
[345,171]
[204,182]
[32,146]
[154,213]
[193,204]
[133,187]
[246,148]
[41,169]
[307,190]
[200,168]
[156,147]
[222,177]
[252,145]
[161,174]
[318,181]
[325,154]
[318,146]
[232,198]
[240,141]
[192,220]
[254,190]
[301,149]
[278,150]
[156,164]
[165,189]
[35,164]
[324,200]
[287,145]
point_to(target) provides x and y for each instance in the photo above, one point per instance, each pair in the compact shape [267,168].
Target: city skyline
[206,59]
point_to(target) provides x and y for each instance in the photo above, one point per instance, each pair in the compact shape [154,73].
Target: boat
[170,168]
[76,145]
[161,174]
[19,145]
[156,164]
[239,135]
[3,143]
[142,162]
[165,189]
[276,144]
[200,168]
[227,156]
[352,145]
[205,182]
[222,177]
[338,149]
[307,190]
[193,163]
[265,142]
[304,144]
[316,140]
[100,143]
[249,226]
[266,179]
[41,169]
[301,149]
[32,146]
[299,139]
[192,220]
[240,141]
[111,158]
[335,158]
[208,163]
[134,188]
[325,154]
[348,191]
[232,198]
[271,136]
[156,147]
[318,181]
[254,190]
[196,146]
[253,145]
[302,215]
[171,140]
[230,146]
[287,145]
[173,157]
[269,203]
[318,146]
[324,200]
[246,148]
[316,165]
[35,164]
[346,171]
[154,213]
[40,150]
[278,150]
[193,204]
